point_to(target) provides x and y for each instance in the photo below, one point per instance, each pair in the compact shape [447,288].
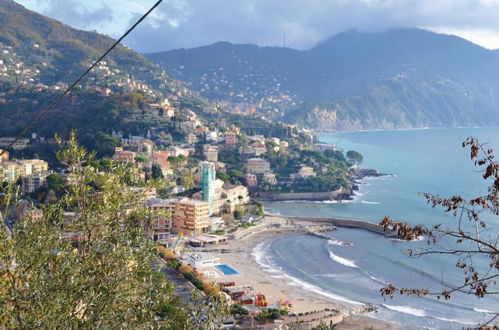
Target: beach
[243,255]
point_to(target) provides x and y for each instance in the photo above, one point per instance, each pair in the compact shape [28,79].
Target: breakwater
[339,194]
[346,223]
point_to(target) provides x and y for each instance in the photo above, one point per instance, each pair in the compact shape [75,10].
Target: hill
[39,57]
[37,50]
[398,78]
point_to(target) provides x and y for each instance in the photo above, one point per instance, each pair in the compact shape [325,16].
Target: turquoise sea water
[430,160]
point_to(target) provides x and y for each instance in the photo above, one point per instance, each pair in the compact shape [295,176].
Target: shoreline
[399,129]
[341,194]
[278,286]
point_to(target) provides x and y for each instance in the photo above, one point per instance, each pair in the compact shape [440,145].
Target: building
[145,147]
[246,150]
[123,155]
[257,166]
[132,140]
[39,165]
[10,170]
[259,148]
[211,153]
[269,178]
[190,216]
[284,145]
[306,171]
[34,181]
[161,224]
[4,156]
[208,185]
[230,139]
[177,151]
[15,169]
[191,138]
[20,144]
[202,260]
[234,195]
[160,158]
[251,180]
[274,140]
[216,223]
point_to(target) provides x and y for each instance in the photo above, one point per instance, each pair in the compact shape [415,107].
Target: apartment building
[190,216]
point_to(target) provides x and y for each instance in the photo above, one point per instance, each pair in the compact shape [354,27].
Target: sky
[301,23]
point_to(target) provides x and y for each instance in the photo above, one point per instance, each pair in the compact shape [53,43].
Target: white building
[202,260]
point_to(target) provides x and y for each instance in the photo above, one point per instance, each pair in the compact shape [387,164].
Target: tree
[355,157]
[92,269]
[187,181]
[55,182]
[237,309]
[156,172]
[470,234]
[223,176]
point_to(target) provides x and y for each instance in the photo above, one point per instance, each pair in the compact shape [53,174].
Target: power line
[60,97]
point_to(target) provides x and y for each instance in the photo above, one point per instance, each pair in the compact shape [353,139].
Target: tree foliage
[471,234]
[87,262]
[355,157]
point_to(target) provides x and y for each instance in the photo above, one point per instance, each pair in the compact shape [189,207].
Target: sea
[420,160]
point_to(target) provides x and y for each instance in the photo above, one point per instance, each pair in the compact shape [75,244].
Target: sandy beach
[277,287]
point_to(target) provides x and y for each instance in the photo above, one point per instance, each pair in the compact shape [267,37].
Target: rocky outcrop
[339,194]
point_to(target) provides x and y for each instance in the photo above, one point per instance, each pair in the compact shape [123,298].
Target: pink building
[251,180]
[257,166]
[160,158]
[124,155]
[230,139]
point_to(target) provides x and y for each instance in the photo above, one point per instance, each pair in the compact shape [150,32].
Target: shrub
[185,269]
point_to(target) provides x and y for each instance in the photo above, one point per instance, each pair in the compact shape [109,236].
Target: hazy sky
[182,23]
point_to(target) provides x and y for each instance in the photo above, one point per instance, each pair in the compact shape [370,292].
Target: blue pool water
[227,270]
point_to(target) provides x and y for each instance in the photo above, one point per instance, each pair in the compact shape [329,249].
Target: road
[183,288]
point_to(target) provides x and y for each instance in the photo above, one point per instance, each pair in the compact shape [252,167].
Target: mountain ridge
[399,78]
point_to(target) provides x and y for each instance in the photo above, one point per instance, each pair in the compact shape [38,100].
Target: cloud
[182,23]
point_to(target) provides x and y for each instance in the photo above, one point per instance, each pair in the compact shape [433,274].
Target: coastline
[337,195]
[304,297]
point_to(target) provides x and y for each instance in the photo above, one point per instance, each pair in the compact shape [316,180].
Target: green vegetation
[415,79]
[330,167]
[92,270]
[194,280]
[355,157]
[141,159]
[269,314]
[237,309]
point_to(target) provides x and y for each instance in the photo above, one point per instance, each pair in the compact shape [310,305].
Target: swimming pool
[227,270]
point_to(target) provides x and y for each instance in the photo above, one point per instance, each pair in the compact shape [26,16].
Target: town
[204,189]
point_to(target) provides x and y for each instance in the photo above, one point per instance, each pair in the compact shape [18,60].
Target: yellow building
[190,216]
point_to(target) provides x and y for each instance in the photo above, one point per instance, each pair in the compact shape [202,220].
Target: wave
[407,310]
[372,203]
[337,242]
[378,280]
[343,261]
[262,257]
[420,238]
[453,320]
[329,202]
[312,288]
[483,311]
[330,275]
